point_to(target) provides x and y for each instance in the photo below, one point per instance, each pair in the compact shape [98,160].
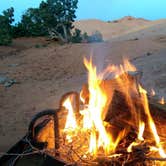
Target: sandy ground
[45,71]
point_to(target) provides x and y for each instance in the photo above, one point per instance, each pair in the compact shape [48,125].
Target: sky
[100,9]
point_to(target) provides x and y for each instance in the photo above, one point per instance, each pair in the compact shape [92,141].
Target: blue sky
[100,9]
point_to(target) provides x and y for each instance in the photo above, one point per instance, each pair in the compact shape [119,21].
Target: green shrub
[5,26]
[76,37]
[85,37]
[5,38]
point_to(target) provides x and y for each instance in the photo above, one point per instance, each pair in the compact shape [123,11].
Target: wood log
[120,114]
[158,112]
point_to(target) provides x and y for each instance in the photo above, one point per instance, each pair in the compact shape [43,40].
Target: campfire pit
[112,121]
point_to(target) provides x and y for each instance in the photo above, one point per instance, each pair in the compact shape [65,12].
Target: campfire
[112,121]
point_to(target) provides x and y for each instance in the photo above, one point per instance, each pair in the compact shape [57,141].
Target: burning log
[158,112]
[119,108]
[56,129]
[119,113]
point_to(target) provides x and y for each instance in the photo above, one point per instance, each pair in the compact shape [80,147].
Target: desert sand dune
[126,25]
[154,30]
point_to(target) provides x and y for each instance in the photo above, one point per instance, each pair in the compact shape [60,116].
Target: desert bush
[95,37]
[5,37]
[76,36]
[85,37]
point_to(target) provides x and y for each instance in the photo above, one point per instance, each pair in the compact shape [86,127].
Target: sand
[44,71]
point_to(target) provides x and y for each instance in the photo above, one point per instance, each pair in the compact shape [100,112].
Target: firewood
[120,114]
[158,112]
[117,110]
[56,129]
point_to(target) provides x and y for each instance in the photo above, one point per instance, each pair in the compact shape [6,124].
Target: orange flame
[94,111]
[141,130]
[151,123]
[139,137]
[99,137]
[71,120]
[71,124]
[128,66]
[93,143]
[162,101]
[97,102]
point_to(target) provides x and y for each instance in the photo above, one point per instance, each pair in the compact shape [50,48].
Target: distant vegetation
[53,18]
[78,37]
[5,26]
[95,37]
